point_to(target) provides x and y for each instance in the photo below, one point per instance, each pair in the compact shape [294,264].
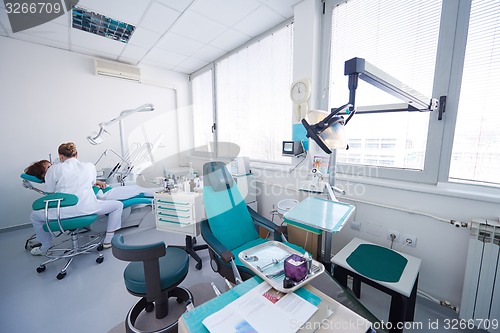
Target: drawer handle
[173,209]
[174,215]
[174,222]
[173,203]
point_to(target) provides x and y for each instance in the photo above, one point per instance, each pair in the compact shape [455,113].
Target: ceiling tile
[164,56]
[209,53]
[159,18]
[144,38]
[128,11]
[226,12]
[49,31]
[133,53]
[283,7]
[157,64]
[41,41]
[259,21]
[230,39]
[198,27]
[180,44]
[179,5]
[94,53]
[192,64]
[85,39]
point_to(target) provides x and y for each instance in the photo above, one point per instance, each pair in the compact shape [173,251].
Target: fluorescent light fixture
[101,25]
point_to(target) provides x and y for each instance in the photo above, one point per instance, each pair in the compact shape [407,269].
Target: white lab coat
[75,177]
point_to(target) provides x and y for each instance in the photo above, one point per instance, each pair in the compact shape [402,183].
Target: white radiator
[481,294]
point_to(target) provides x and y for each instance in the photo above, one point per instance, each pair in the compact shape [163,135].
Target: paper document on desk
[262,310]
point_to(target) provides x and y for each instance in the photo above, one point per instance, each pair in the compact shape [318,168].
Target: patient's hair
[67,150]
[37,169]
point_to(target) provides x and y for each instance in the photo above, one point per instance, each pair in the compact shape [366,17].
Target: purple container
[295,267]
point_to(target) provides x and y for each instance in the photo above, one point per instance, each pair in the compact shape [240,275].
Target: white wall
[49,96]
[441,246]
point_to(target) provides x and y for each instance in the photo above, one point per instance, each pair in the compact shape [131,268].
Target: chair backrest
[148,254]
[128,252]
[65,200]
[226,210]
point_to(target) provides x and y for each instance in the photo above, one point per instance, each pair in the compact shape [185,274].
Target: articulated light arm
[96,138]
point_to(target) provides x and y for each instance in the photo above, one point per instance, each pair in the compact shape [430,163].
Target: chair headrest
[216,175]
[31,178]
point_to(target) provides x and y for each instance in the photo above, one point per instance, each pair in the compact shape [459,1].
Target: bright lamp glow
[326,129]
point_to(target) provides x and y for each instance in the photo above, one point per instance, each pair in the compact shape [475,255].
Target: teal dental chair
[154,274]
[134,209]
[69,226]
[230,226]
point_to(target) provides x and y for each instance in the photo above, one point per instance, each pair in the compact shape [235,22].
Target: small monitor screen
[288,147]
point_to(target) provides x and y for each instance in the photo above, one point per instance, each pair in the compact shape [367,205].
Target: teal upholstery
[154,274]
[139,199]
[69,226]
[31,178]
[230,226]
[66,200]
[173,268]
[228,216]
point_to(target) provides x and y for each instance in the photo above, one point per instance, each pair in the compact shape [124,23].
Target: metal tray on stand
[267,262]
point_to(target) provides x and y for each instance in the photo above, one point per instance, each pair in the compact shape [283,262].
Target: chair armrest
[214,243]
[265,223]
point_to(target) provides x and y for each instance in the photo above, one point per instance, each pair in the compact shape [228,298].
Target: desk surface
[325,215]
[403,286]
[330,313]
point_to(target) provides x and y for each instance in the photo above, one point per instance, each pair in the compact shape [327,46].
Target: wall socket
[395,233]
[409,240]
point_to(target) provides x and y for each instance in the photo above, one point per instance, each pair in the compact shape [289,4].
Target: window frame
[449,65]
[213,67]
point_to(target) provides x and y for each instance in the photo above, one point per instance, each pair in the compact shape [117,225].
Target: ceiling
[178,35]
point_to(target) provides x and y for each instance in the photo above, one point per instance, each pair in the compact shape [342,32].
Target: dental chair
[59,227]
[230,229]
[134,209]
[230,226]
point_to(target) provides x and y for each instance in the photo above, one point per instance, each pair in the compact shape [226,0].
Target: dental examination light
[97,137]
[327,130]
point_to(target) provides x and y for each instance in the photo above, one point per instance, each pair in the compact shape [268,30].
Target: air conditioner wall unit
[118,70]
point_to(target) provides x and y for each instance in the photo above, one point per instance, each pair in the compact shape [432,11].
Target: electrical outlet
[391,233]
[409,240]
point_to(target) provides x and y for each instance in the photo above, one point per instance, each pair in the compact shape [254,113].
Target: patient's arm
[100,184]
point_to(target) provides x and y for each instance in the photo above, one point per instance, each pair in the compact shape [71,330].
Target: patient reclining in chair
[75,177]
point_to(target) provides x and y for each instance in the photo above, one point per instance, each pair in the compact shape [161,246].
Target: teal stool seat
[154,274]
[51,204]
[173,268]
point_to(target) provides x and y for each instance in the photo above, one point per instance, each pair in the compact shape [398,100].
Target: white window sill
[465,191]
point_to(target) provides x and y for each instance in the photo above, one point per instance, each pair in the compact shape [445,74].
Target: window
[476,148]
[203,119]
[401,39]
[253,101]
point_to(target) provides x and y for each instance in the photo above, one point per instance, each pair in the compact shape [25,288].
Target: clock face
[300,92]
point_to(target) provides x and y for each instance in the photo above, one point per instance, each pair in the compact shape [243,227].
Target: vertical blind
[400,38]
[253,101]
[203,117]
[476,146]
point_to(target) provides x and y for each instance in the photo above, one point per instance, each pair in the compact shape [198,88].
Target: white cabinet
[179,212]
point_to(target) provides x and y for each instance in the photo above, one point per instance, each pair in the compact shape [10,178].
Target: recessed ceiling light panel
[101,25]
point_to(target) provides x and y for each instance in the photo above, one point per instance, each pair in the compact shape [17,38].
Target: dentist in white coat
[75,177]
